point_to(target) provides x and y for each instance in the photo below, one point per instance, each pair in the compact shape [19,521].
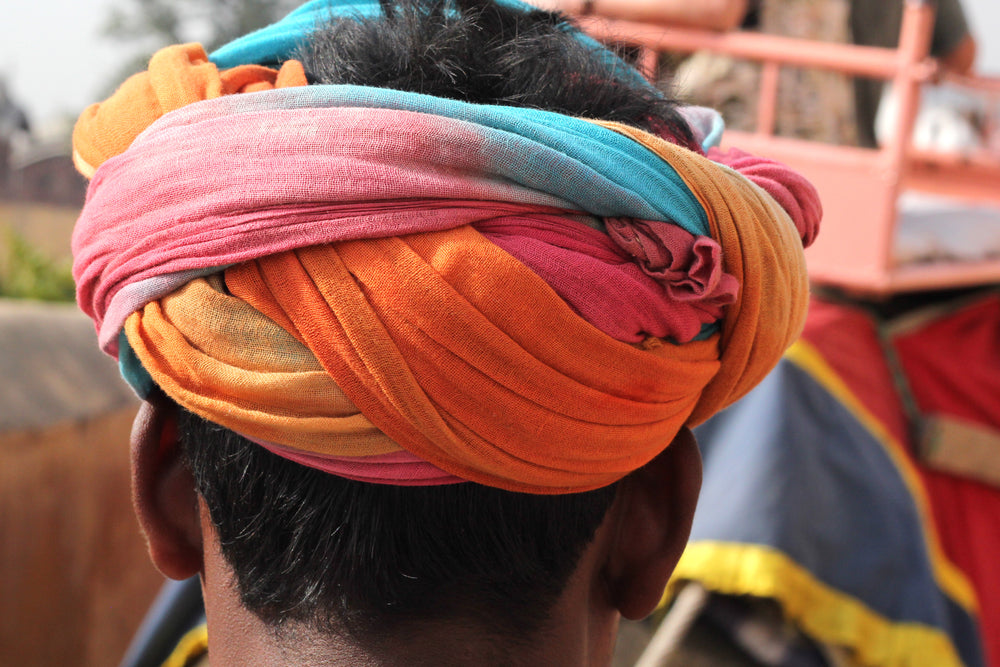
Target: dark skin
[621,573]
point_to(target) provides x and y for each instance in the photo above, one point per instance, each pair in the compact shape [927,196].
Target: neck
[580,632]
[237,637]
[576,635]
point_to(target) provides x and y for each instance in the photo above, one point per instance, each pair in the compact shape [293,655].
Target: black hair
[480,52]
[369,559]
[366,559]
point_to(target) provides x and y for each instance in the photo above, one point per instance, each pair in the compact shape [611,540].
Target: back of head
[373,558]
[421,315]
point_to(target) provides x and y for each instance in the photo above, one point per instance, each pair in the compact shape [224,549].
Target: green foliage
[27,274]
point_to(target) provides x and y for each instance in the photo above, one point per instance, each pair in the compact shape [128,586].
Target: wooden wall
[74,572]
[75,580]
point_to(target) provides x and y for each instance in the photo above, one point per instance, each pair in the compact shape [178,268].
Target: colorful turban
[405,289]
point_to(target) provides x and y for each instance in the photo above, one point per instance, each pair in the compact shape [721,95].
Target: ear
[163,491]
[657,504]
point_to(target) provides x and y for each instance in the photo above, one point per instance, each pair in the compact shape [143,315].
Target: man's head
[458,331]
[452,574]
[377,560]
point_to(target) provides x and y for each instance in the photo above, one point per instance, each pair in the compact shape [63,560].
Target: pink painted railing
[859,186]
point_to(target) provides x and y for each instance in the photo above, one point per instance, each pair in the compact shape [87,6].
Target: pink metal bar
[910,278]
[975,177]
[859,187]
[767,98]
[986,84]
[914,45]
[869,61]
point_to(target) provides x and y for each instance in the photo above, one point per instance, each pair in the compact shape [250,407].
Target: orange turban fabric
[177,76]
[374,305]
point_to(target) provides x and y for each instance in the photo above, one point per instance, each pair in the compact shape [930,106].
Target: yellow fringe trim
[949,578]
[821,611]
[192,646]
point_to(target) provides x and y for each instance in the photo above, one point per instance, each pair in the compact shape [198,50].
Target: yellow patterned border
[191,647]
[821,611]
[949,578]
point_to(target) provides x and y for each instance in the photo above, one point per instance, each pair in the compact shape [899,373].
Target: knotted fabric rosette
[405,289]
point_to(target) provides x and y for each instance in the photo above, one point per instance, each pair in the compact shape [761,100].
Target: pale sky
[56,62]
[53,55]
